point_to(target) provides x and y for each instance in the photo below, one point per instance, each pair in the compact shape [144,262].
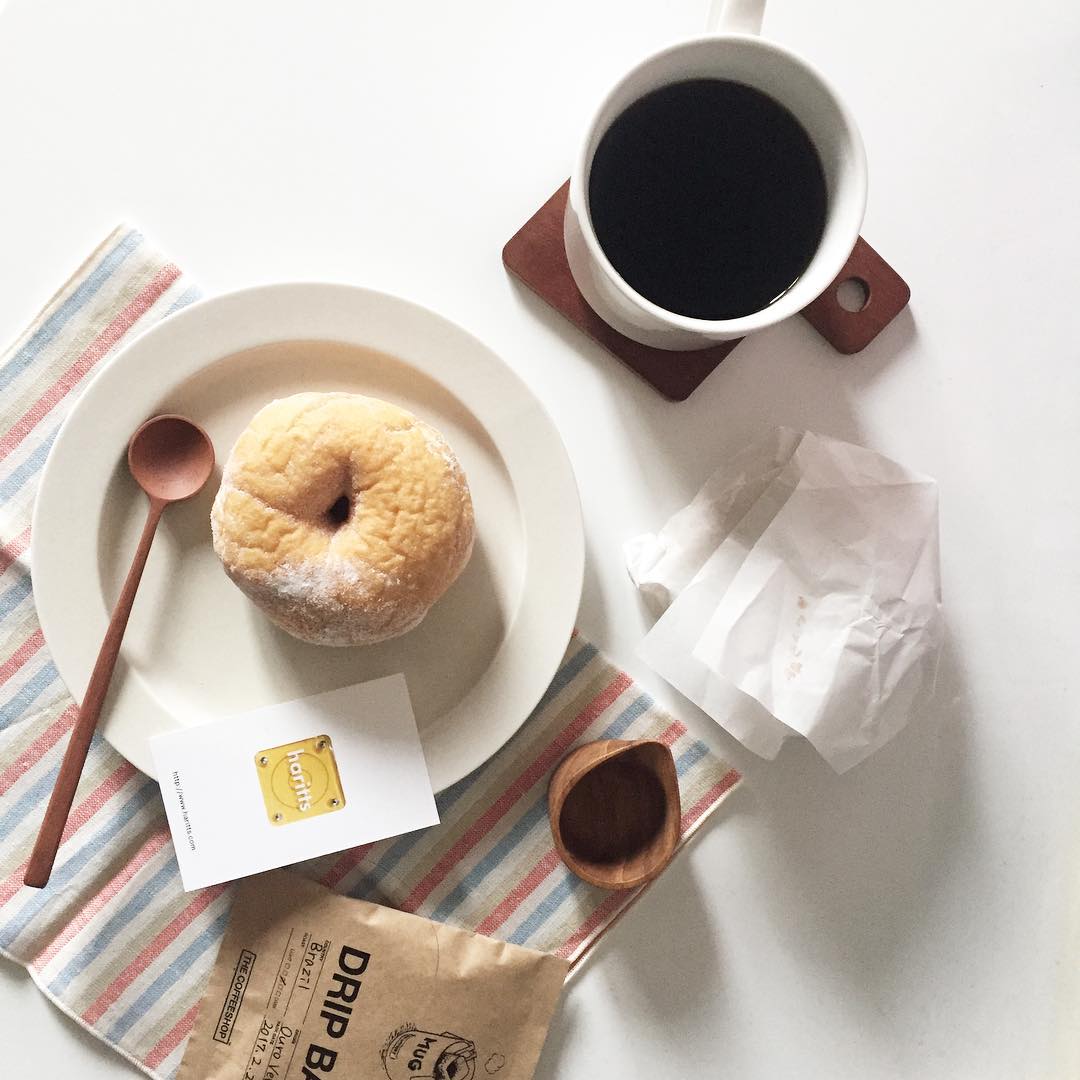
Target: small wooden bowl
[614,811]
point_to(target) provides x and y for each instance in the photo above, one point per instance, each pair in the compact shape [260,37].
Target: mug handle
[735,16]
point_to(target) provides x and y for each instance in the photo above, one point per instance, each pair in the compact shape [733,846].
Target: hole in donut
[338,513]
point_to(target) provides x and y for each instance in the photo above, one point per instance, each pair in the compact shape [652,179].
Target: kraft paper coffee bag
[309,985]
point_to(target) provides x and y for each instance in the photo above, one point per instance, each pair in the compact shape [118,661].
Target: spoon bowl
[171,458]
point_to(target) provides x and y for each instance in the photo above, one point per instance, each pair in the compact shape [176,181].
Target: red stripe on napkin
[727,781]
[150,953]
[674,731]
[105,340]
[48,738]
[76,820]
[517,896]
[597,919]
[21,655]
[13,549]
[150,847]
[172,1038]
[348,862]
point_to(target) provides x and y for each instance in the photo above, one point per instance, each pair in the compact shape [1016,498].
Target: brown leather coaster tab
[535,255]
[885,295]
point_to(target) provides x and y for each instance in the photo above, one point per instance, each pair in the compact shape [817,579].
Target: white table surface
[917,917]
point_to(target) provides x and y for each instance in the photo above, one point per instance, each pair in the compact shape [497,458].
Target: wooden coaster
[535,255]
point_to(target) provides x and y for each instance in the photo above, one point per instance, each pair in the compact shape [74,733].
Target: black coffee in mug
[708,198]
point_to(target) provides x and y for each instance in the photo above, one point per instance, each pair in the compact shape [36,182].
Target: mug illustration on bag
[411,1054]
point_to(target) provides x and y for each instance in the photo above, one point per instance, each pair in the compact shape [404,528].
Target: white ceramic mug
[737,53]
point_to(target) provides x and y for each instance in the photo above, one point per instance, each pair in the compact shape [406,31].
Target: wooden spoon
[171,459]
[615,812]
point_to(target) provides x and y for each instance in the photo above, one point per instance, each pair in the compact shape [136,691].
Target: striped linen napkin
[113,940]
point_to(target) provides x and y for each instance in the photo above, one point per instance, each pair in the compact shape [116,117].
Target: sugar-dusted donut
[344,518]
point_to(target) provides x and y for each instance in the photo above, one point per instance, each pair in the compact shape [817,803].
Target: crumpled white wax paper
[800,593]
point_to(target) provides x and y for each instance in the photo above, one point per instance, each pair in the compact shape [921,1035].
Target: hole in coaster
[338,513]
[853,294]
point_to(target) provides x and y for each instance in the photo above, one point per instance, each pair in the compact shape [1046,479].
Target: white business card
[289,782]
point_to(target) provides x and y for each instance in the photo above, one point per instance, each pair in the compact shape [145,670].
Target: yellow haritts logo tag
[299,780]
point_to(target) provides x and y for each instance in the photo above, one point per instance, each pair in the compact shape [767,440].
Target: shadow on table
[786,376]
[660,963]
[97,1058]
[592,594]
[850,867]
[859,862]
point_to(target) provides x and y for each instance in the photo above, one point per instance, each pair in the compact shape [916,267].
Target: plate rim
[570,550]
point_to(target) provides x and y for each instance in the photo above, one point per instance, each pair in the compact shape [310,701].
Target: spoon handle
[52,827]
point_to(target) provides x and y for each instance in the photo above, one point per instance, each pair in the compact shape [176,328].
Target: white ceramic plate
[196,648]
